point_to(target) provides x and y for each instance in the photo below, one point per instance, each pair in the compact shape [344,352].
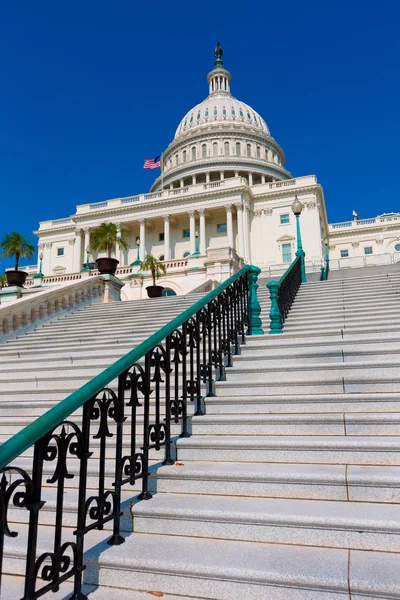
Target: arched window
[194,153]
[168,292]
[237,148]
[226,148]
[161,257]
[215,149]
[184,156]
[204,151]
[176,159]
[186,254]
[258,152]
[248,150]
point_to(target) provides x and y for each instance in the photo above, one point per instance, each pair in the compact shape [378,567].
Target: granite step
[354,525]
[280,480]
[339,450]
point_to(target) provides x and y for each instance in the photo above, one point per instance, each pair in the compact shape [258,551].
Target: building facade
[223,199]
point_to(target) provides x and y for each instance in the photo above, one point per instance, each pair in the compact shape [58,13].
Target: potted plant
[15,244]
[103,239]
[3,281]
[157,268]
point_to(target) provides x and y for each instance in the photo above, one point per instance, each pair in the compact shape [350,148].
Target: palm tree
[15,244]
[105,236]
[152,264]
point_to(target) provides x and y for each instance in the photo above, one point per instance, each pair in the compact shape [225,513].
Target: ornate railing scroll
[129,413]
[282,294]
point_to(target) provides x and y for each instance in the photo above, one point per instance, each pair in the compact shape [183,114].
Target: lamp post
[39,275]
[86,267]
[137,261]
[297,207]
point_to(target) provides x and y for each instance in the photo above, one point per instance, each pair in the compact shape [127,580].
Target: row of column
[243,232]
[222,178]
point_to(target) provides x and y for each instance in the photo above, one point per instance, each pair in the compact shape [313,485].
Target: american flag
[152,163]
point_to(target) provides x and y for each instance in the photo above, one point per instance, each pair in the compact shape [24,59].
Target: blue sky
[90,88]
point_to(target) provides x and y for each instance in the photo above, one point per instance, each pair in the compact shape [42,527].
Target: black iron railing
[128,411]
[283,293]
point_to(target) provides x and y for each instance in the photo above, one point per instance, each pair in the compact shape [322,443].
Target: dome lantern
[219,78]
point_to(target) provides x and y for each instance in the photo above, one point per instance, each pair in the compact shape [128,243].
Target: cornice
[68,229]
[350,232]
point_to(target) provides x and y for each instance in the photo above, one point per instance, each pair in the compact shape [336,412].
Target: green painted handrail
[28,436]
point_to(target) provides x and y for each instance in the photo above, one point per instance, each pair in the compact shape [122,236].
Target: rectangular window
[60,251]
[221,228]
[186,233]
[161,237]
[344,253]
[368,250]
[284,219]
[287,253]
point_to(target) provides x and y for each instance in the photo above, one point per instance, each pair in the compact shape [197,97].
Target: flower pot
[154,291]
[16,277]
[107,266]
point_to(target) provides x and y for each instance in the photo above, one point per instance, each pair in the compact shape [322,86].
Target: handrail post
[255,323]
[274,313]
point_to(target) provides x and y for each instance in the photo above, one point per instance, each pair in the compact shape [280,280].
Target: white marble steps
[352,483]
[354,525]
[306,449]
[228,570]
[225,403]
[217,569]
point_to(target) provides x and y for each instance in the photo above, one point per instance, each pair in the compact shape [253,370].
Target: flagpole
[162,171]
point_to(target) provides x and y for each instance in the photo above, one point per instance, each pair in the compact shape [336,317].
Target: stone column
[239,212]
[192,216]
[229,226]
[193,179]
[202,245]
[181,183]
[40,249]
[221,175]
[262,178]
[167,248]
[246,231]
[117,249]
[250,178]
[236,173]
[87,241]
[78,251]
[142,239]
[207,177]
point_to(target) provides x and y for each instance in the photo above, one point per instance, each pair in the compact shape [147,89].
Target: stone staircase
[288,488]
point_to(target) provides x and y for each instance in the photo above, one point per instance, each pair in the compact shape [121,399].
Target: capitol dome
[220,138]
[220,108]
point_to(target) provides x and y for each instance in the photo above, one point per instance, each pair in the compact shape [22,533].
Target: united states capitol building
[223,199]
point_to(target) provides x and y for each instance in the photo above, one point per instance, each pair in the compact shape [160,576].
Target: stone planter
[16,278]
[154,291]
[107,266]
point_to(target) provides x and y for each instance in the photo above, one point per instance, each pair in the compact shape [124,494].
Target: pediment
[285,238]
